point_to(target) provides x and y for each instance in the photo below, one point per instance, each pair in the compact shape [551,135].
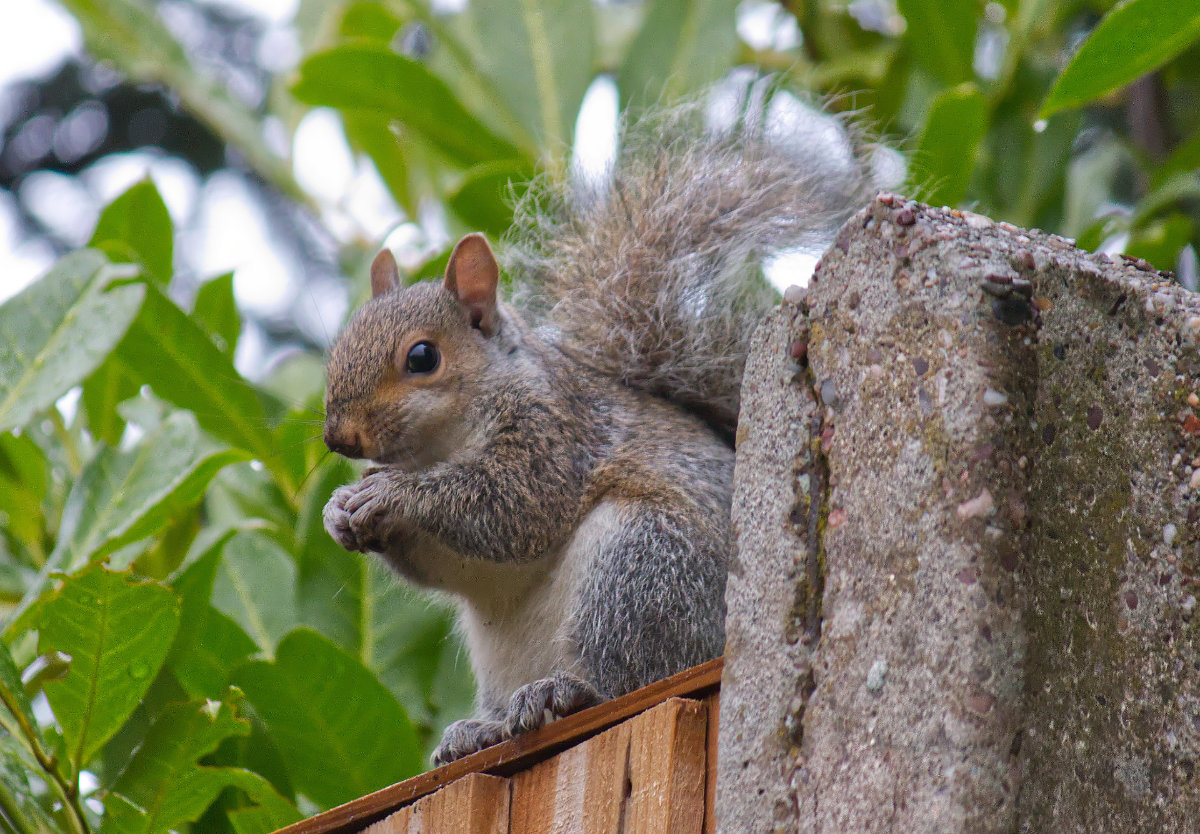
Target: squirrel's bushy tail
[654,277]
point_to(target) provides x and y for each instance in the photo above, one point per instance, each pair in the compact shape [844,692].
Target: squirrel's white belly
[516,639]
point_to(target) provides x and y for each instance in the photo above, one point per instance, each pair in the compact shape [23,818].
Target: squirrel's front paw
[373,508]
[462,738]
[536,704]
[337,519]
[362,515]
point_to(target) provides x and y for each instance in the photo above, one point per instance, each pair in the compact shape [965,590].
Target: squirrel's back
[653,275]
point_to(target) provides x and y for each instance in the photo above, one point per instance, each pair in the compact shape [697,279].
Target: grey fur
[570,485]
[654,280]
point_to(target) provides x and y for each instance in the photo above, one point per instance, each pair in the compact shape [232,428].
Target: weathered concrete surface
[1011,534]
[767,673]
[1112,729]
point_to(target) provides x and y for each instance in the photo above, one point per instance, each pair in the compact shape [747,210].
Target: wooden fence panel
[475,804]
[613,802]
[668,753]
[645,776]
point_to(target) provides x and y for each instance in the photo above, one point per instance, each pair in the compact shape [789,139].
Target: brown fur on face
[391,415]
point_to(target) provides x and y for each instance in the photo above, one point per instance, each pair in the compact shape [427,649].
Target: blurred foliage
[184,645]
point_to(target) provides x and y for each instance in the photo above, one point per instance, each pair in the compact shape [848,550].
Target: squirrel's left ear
[385,277]
[472,275]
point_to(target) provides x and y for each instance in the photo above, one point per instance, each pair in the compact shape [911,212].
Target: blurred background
[184,648]
[198,96]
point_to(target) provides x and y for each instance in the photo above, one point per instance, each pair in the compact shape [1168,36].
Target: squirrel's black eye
[422,358]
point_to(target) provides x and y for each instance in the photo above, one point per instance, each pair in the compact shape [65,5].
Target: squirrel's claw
[536,704]
[462,738]
[337,519]
[359,515]
[370,505]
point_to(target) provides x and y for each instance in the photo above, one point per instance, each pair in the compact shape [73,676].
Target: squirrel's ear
[385,277]
[472,275]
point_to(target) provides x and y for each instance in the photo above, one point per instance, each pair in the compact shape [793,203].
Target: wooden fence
[640,764]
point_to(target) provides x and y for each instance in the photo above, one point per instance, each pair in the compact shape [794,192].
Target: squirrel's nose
[343,441]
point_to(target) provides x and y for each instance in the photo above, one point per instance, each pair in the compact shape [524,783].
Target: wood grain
[644,776]
[712,707]
[475,804]
[666,769]
[513,756]
[581,790]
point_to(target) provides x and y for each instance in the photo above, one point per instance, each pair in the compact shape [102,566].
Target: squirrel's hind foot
[536,704]
[532,706]
[462,738]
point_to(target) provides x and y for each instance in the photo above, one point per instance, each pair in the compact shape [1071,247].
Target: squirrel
[569,483]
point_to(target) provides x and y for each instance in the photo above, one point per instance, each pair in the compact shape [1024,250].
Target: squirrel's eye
[422,358]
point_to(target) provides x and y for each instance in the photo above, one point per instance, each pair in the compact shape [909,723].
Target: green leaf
[539,54]
[209,644]
[1135,37]
[117,633]
[271,813]
[394,632]
[162,786]
[371,133]
[217,312]
[17,717]
[373,78]
[341,732]
[137,223]
[124,496]
[355,601]
[19,803]
[56,331]
[171,353]
[484,197]
[298,436]
[1175,189]
[255,585]
[352,598]
[432,269]
[23,483]
[1159,241]
[1089,182]
[950,143]
[369,20]
[682,46]
[245,494]
[109,386]
[1186,157]
[941,36]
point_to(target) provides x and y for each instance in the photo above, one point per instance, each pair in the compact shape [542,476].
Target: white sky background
[220,228]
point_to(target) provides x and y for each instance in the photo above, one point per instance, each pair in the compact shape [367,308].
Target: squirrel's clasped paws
[532,706]
[361,516]
[337,519]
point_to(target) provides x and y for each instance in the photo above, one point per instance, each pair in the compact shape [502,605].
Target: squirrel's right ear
[472,275]
[385,277]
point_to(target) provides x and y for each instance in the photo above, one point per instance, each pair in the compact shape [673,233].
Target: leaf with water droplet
[117,632]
